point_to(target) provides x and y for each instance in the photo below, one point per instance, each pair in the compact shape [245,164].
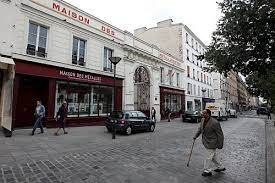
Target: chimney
[139,31]
[165,23]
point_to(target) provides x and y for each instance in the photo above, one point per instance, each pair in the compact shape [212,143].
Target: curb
[270,151]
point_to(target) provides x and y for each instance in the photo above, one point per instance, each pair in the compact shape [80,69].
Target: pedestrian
[168,111]
[61,118]
[212,139]
[153,113]
[39,115]
[269,114]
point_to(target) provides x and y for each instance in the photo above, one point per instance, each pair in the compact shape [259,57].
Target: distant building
[182,43]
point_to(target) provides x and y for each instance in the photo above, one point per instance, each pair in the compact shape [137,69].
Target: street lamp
[203,96]
[114,60]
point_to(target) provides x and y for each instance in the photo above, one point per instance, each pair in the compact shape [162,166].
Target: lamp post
[203,96]
[114,60]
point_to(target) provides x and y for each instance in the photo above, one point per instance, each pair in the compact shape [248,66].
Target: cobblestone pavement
[89,154]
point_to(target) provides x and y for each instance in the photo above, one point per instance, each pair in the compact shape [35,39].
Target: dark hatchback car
[129,121]
[262,110]
[191,116]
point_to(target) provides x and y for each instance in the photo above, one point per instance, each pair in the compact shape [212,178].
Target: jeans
[211,157]
[38,124]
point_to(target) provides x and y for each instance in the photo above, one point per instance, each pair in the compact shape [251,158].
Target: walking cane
[191,152]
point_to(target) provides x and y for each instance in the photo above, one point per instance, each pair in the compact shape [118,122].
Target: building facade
[53,51]
[243,95]
[182,43]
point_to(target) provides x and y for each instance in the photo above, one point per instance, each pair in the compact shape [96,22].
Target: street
[88,154]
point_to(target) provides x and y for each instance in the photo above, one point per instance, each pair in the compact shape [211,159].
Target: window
[194,73]
[193,57]
[161,75]
[178,79]
[198,75]
[192,43]
[201,78]
[204,78]
[78,54]
[189,106]
[187,54]
[196,46]
[199,48]
[208,94]
[210,81]
[199,91]
[189,88]
[170,77]
[37,40]
[187,38]
[207,80]
[195,89]
[107,65]
[188,71]
[84,99]
[173,102]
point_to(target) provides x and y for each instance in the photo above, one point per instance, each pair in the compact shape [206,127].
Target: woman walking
[61,118]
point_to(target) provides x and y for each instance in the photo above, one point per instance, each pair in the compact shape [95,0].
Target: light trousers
[211,157]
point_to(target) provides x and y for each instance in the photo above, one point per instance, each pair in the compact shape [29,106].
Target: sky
[200,16]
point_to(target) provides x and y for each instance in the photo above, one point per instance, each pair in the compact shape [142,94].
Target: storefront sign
[80,76]
[71,13]
[165,90]
[169,59]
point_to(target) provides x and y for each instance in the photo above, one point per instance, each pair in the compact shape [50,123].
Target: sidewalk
[270,150]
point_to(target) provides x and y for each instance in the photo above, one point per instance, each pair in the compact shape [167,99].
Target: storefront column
[6,101]
[50,112]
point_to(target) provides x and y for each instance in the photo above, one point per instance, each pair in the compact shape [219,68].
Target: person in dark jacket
[39,115]
[269,114]
[61,118]
[212,139]
[168,112]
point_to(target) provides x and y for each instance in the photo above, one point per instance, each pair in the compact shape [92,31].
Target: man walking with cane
[212,139]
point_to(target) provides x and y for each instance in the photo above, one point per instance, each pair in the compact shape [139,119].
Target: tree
[243,42]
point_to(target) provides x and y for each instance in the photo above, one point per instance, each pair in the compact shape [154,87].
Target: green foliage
[243,42]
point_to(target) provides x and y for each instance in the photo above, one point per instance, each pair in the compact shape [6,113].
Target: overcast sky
[199,15]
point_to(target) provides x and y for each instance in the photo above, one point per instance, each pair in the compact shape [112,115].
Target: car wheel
[128,130]
[152,128]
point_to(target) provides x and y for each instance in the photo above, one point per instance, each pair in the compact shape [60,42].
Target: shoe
[56,134]
[65,132]
[206,174]
[220,169]
[31,134]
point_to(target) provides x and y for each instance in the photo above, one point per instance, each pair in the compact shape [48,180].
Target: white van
[218,110]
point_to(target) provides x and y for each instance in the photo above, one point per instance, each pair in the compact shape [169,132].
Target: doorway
[30,90]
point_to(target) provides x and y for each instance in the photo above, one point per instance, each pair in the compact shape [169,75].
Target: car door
[145,122]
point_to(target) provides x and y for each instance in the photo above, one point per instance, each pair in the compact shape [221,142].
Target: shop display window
[84,99]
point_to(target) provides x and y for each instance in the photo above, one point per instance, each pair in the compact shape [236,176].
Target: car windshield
[116,114]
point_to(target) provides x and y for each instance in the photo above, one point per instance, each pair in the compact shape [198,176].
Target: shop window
[61,94]
[78,55]
[173,102]
[84,99]
[189,106]
[105,103]
[107,65]
[37,40]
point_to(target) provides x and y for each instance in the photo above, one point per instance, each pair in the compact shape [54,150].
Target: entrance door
[30,90]
[142,90]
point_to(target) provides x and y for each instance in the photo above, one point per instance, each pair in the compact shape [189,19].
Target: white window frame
[38,35]
[78,49]
[109,65]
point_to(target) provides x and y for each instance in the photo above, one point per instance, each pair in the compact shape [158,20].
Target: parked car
[129,121]
[232,113]
[262,110]
[192,116]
